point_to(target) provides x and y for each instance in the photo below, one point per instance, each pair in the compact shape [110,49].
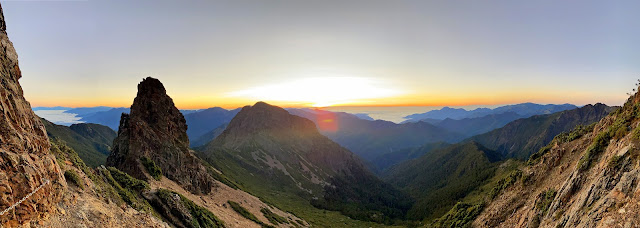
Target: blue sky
[87,53]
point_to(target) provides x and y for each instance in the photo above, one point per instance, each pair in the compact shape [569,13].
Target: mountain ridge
[264,141]
[524,109]
[588,178]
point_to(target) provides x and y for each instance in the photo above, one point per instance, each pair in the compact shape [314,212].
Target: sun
[321,91]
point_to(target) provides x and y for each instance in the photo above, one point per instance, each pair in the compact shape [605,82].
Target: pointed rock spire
[156,129]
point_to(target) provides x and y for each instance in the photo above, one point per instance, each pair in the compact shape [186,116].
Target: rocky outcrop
[156,129]
[586,178]
[25,162]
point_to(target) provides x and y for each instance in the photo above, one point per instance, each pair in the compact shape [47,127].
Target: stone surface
[25,161]
[156,129]
[605,194]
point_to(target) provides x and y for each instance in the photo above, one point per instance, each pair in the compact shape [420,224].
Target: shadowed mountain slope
[370,139]
[521,138]
[203,122]
[92,142]
[441,177]
[265,142]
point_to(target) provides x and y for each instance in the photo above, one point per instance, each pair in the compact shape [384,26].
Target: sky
[327,53]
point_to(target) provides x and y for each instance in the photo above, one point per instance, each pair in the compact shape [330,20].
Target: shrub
[636,133]
[221,177]
[72,176]
[461,215]
[563,137]
[599,144]
[614,162]
[243,211]
[152,168]
[505,183]
[201,216]
[272,217]
[536,156]
[544,201]
[127,181]
[64,153]
[127,187]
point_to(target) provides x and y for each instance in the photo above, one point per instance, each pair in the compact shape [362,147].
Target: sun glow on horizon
[321,91]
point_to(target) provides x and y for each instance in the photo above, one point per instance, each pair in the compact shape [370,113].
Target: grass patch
[72,176]
[127,181]
[127,187]
[563,137]
[543,202]
[272,217]
[285,197]
[505,183]
[615,162]
[201,216]
[599,144]
[221,177]
[636,134]
[461,215]
[64,153]
[152,168]
[243,211]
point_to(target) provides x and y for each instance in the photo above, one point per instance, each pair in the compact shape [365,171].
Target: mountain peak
[263,117]
[156,129]
[151,85]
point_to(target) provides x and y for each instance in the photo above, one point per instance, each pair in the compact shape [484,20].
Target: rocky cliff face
[25,162]
[156,129]
[587,178]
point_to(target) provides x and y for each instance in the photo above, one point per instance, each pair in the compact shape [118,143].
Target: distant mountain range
[523,110]
[359,133]
[477,125]
[521,138]
[370,139]
[50,108]
[205,121]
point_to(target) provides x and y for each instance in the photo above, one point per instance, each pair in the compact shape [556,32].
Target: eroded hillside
[586,178]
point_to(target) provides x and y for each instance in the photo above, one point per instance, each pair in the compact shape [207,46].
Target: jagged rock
[156,129]
[593,180]
[25,161]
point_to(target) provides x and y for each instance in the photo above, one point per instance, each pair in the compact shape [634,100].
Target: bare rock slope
[25,162]
[587,178]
